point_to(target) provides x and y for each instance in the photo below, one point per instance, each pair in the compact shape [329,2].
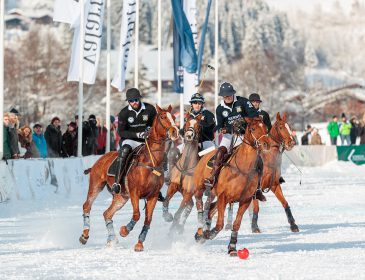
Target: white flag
[126,33]
[93,27]
[66,11]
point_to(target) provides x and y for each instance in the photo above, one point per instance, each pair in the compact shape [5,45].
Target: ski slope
[39,238]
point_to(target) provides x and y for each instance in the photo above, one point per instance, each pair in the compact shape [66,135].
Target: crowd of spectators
[34,141]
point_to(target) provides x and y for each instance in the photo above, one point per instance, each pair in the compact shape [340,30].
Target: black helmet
[254,97]
[226,89]
[133,93]
[197,97]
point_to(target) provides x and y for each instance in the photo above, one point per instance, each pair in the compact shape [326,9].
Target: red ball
[243,253]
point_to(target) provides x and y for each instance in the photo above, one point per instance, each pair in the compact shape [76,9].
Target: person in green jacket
[333,130]
[345,129]
[6,143]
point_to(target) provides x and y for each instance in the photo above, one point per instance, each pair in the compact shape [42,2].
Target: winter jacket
[345,128]
[69,144]
[13,140]
[41,144]
[353,132]
[92,138]
[6,143]
[53,137]
[333,129]
[316,139]
[28,144]
[362,134]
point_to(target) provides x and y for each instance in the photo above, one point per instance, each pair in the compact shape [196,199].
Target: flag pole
[159,48]
[81,79]
[2,29]
[108,78]
[136,46]
[216,47]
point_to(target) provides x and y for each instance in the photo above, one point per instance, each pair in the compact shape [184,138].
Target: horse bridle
[256,144]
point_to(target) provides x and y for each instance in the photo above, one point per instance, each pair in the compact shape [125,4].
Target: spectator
[69,141]
[316,138]
[113,146]
[362,130]
[101,140]
[333,130]
[85,134]
[306,136]
[6,143]
[92,136]
[354,130]
[39,140]
[26,142]
[53,137]
[345,128]
[13,135]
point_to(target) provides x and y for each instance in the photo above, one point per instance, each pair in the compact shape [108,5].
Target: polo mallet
[205,72]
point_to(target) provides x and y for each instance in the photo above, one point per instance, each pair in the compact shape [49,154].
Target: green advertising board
[356,154]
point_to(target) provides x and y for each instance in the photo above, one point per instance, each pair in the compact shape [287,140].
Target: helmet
[133,93]
[226,89]
[197,97]
[254,97]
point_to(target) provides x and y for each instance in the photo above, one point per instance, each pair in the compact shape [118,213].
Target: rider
[134,121]
[256,101]
[231,109]
[207,121]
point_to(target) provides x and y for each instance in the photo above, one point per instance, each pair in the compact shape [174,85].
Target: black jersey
[207,123]
[131,122]
[226,115]
[265,118]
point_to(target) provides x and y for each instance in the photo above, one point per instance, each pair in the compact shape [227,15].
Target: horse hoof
[138,247]
[199,238]
[232,253]
[123,231]
[294,228]
[83,239]
[256,230]
[168,217]
[206,234]
[228,227]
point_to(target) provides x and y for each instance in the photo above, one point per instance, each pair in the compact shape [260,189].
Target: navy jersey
[226,115]
[265,118]
[207,123]
[131,122]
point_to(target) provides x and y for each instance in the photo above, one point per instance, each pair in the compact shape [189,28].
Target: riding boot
[210,181]
[259,195]
[122,158]
[160,197]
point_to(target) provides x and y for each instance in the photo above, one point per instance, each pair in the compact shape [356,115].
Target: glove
[142,135]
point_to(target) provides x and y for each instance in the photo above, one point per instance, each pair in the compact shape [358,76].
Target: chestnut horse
[182,174]
[282,139]
[238,179]
[143,180]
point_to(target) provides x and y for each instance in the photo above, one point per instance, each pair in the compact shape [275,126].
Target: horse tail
[87,171]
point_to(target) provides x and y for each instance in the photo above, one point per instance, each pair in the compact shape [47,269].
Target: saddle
[113,168]
[225,161]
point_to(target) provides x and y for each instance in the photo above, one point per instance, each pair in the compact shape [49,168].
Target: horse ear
[169,108]
[158,109]
[284,117]
[278,118]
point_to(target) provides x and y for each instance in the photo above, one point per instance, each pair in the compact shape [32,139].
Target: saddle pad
[113,168]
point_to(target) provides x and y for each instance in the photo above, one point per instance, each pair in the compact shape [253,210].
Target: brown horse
[143,180]
[182,174]
[238,179]
[282,139]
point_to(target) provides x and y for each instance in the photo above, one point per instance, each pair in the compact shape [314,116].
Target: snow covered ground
[39,238]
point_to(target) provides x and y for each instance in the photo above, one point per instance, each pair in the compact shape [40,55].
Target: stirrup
[116,188]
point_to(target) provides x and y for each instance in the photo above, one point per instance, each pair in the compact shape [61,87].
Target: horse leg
[176,223]
[94,189]
[279,195]
[232,251]
[172,189]
[151,203]
[230,217]
[125,230]
[117,203]
[207,211]
[255,215]
[221,204]
[187,211]
[199,207]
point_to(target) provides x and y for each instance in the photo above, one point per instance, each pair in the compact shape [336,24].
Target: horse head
[165,123]
[192,128]
[281,132]
[256,133]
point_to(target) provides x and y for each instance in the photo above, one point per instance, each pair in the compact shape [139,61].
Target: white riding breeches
[226,140]
[134,144]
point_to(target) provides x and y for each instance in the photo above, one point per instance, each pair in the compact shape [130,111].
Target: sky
[307,5]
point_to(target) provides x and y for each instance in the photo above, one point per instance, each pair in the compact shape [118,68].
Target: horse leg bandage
[143,234]
[86,221]
[110,228]
[131,225]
